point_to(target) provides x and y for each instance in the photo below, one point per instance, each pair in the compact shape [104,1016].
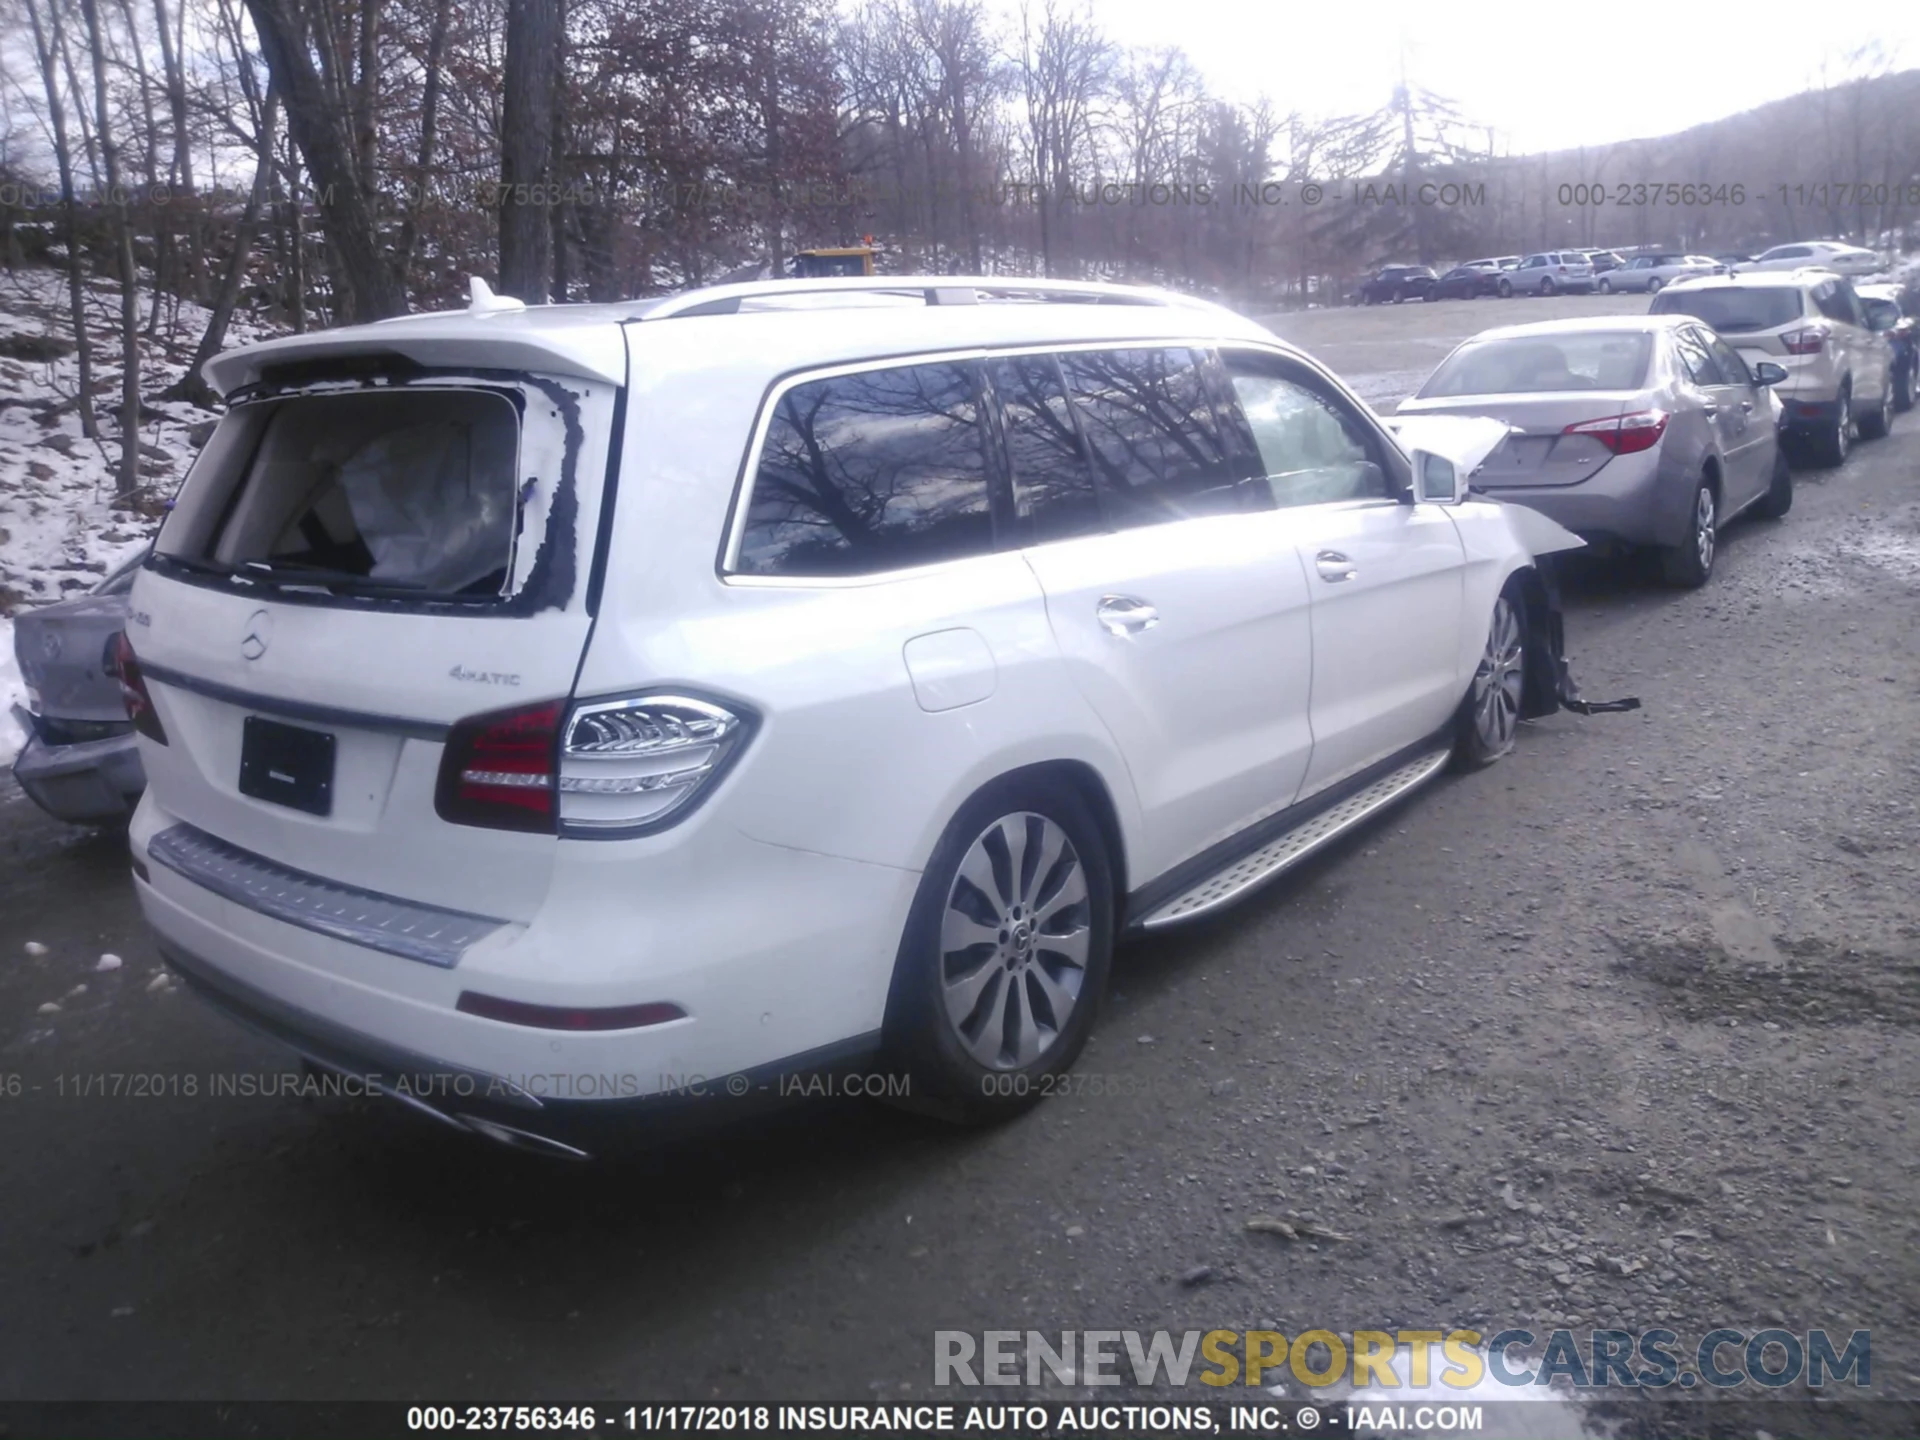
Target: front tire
[1606,287]
[1489,716]
[1006,952]
[1654,284]
[1506,289]
[1690,563]
[1903,389]
[1546,287]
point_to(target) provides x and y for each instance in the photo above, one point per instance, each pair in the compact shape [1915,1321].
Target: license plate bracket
[287,765]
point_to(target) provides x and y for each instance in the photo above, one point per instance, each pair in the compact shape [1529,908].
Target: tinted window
[1052,482]
[1731,365]
[1835,301]
[1310,449]
[1697,358]
[1520,364]
[870,472]
[1786,252]
[1733,309]
[1157,451]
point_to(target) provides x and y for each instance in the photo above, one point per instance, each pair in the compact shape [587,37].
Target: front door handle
[1125,615]
[1333,566]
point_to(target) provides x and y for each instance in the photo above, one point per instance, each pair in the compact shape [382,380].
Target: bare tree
[123,247]
[47,43]
[526,147]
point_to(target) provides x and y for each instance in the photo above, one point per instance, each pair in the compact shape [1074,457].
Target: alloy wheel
[1703,528]
[1015,940]
[1499,680]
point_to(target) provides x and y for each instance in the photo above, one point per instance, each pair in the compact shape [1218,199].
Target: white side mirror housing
[1437,479]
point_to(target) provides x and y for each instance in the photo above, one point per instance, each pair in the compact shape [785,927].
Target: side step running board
[1255,869]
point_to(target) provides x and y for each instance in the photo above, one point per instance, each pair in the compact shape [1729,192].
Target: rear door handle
[1125,615]
[1333,566]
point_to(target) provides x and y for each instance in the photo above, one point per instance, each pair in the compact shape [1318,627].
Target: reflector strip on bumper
[380,922]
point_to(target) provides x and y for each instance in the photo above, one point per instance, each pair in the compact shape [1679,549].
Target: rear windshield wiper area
[298,574]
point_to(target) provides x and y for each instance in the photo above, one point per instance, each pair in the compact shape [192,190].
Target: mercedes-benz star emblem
[258,636]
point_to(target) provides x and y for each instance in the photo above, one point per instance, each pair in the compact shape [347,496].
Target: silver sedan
[1632,430]
[1646,274]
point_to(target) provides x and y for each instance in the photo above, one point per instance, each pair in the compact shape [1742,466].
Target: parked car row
[1578,272]
[1655,431]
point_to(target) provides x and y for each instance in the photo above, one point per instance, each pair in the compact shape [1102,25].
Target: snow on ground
[60,530]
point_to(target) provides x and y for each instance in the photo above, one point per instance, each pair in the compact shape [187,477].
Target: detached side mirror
[1768,373]
[1437,479]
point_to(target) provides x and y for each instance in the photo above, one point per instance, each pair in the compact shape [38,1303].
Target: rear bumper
[779,958]
[496,1107]
[95,782]
[1631,500]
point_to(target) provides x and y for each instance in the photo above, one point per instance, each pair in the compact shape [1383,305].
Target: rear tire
[1833,442]
[1689,564]
[1005,955]
[1779,497]
[1877,424]
[1606,287]
[1546,287]
[1489,717]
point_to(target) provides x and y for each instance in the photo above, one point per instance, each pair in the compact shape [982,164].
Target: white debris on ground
[61,529]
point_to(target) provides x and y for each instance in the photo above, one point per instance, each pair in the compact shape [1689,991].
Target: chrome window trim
[742,498]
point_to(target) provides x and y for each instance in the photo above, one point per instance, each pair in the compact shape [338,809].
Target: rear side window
[1835,301]
[1697,358]
[406,491]
[1053,486]
[875,471]
[1155,442]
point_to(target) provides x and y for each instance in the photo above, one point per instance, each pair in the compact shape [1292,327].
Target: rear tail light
[605,769]
[133,691]
[1805,342]
[628,766]
[499,769]
[1625,434]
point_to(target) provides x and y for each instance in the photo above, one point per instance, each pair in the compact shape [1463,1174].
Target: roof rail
[931,289]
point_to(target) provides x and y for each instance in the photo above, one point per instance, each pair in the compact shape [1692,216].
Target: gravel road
[1624,1031]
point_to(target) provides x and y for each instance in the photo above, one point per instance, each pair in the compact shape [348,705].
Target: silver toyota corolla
[79,763]
[1630,430]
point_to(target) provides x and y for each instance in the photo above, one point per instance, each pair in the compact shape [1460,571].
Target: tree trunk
[123,243]
[429,134]
[526,147]
[46,42]
[192,385]
[372,292]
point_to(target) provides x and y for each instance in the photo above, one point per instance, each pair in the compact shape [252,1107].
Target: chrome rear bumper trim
[405,928]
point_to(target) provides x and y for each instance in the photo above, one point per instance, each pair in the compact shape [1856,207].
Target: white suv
[550,707]
[1839,362]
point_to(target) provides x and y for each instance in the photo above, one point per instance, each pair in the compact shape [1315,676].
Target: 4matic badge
[483,677]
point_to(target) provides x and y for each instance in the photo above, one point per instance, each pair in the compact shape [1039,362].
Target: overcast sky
[1545,76]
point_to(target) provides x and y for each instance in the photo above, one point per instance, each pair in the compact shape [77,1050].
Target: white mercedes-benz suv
[553,712]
